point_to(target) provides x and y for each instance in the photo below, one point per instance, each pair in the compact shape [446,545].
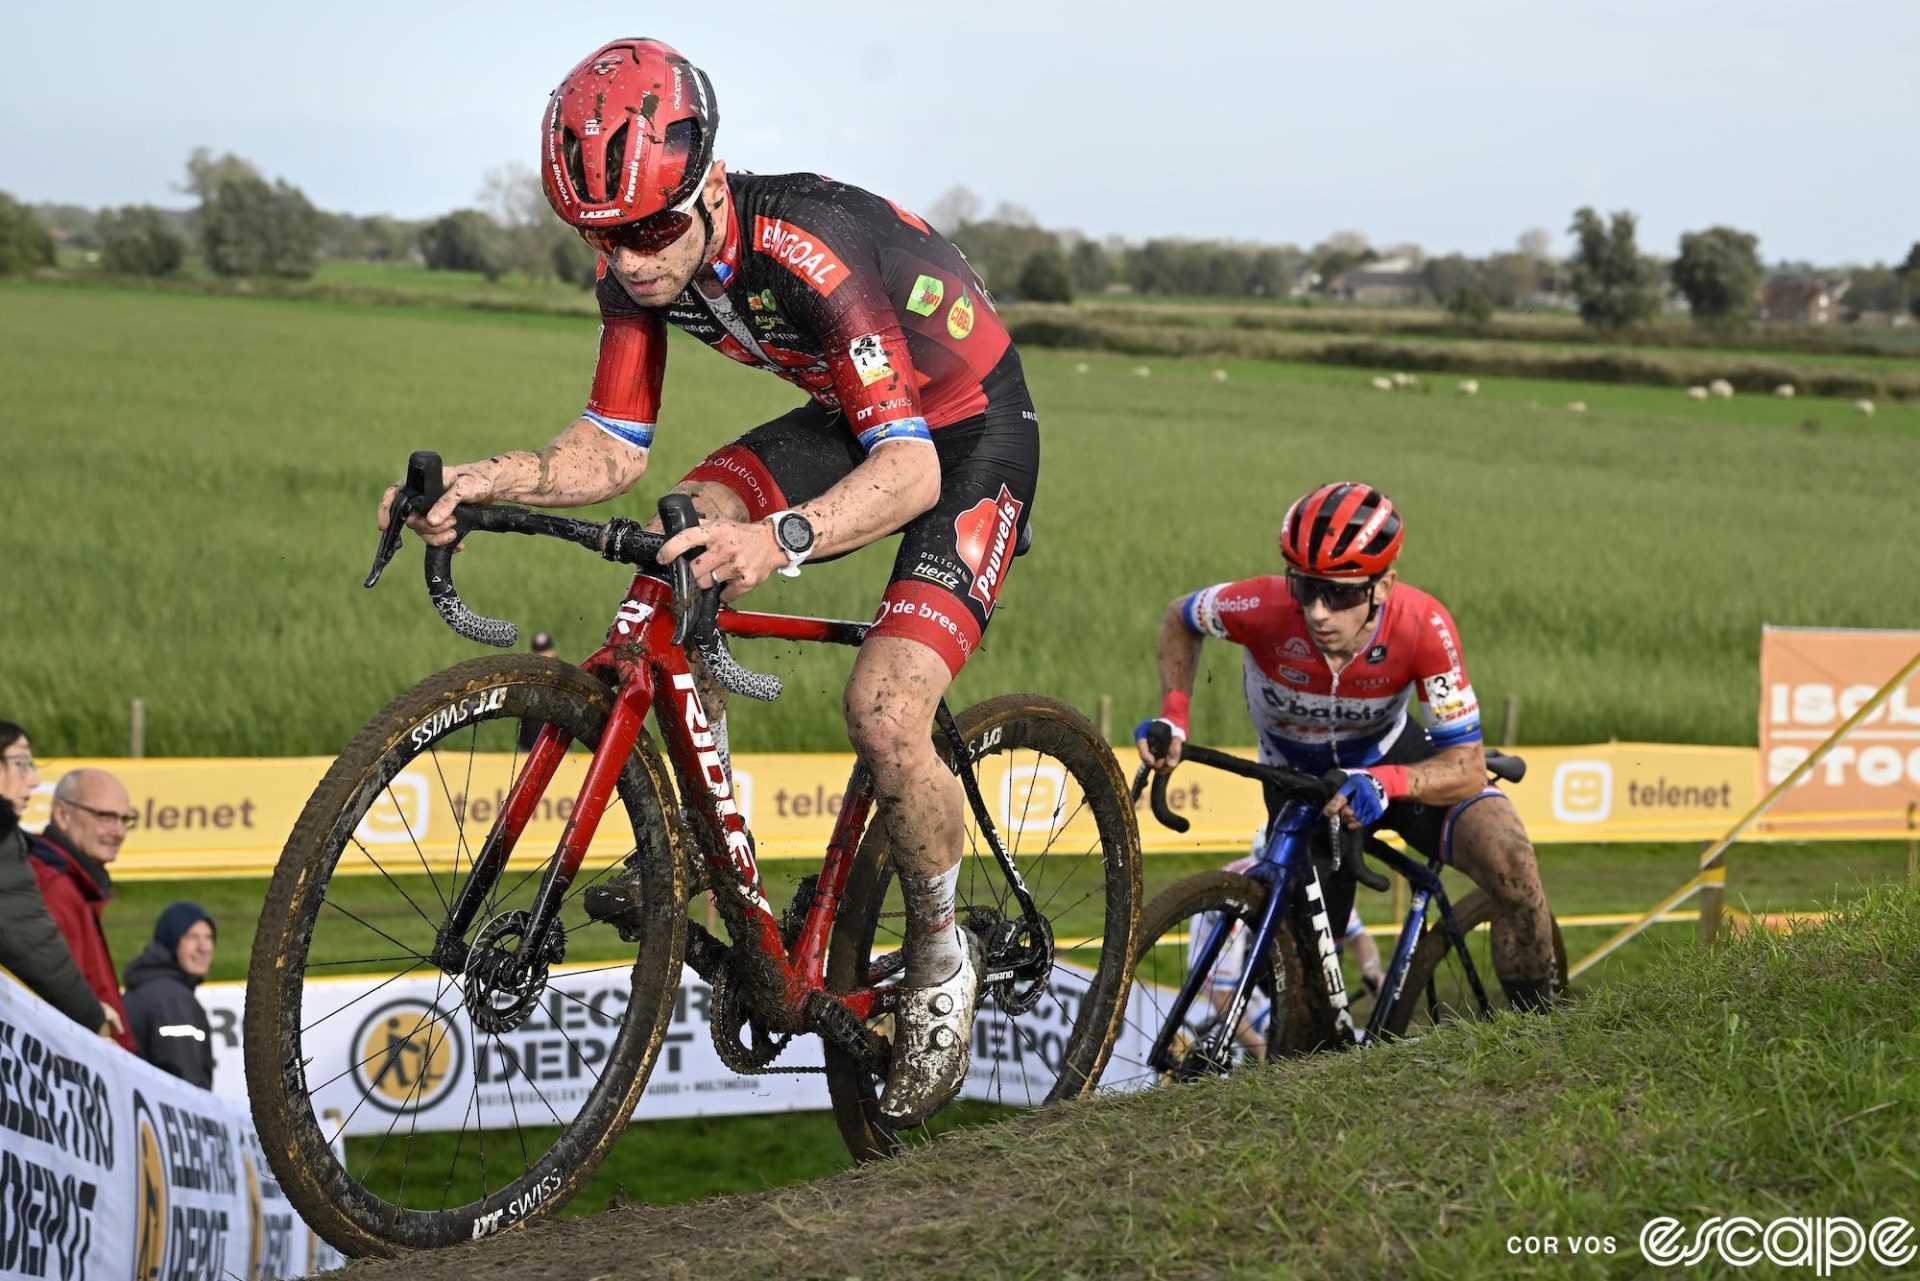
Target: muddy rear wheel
[1055,795]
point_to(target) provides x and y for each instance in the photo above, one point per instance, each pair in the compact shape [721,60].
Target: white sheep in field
[1784,391]
[1219,375]
[1405,380]
[1720,388]
[1080,368]
[1696,393]
[1469,387]
[1577,406]
[1864,406]
[1383,384]
[1141,371]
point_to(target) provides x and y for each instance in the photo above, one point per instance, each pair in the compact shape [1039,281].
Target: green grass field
[672,1161]
[198,476]
[1769,1078]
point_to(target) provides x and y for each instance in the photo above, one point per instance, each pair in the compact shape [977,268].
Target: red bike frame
[640,660]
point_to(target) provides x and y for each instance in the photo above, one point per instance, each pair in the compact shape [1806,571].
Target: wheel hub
[1025,946]
[506,977]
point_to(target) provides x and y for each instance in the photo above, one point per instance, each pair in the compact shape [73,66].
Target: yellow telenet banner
[221,817]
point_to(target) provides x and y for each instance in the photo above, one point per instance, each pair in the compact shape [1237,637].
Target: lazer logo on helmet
[983,535]
[800,252]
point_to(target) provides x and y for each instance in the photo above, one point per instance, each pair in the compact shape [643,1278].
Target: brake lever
[677,515]
[418,493]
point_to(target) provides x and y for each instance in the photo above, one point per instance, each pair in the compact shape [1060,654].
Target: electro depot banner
[201,817]
[402,1055]
[1812,681]
[110,1168]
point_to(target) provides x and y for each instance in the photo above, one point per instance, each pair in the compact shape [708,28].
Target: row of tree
[245,225]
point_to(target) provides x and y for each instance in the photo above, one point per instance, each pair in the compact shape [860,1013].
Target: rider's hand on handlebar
[470,483]
[741,556]
[1361,800]
[1143,734]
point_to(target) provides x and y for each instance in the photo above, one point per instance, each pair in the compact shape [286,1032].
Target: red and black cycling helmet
[1343,530]
[628,137]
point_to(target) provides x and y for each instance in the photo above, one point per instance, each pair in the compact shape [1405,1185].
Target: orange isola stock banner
[1811,681]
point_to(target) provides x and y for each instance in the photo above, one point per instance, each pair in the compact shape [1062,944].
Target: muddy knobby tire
[327,1193]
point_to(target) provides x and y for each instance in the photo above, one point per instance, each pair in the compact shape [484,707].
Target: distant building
[1802,300]
[1385,280]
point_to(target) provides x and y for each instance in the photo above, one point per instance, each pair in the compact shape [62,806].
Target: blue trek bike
[1245,966]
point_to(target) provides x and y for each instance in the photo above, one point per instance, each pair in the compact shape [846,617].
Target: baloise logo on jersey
[984,535]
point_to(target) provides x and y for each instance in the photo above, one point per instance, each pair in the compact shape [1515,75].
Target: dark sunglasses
[647,235]
[1335,596]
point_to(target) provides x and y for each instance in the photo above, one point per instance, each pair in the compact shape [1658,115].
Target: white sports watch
[792,534]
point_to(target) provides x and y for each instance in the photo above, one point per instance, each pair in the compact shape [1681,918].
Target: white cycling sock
[933,937]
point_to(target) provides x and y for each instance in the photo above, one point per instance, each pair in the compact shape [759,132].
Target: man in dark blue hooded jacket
[169,1027]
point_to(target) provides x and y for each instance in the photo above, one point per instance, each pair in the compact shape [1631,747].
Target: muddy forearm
[1178,650]
[579,467]
[1450,776]
[892,486]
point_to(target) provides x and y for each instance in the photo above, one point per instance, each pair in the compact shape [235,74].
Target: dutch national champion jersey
[848,296]
[1314,719]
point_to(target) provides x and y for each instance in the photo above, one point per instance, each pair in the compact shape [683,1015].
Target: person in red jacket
[90,816]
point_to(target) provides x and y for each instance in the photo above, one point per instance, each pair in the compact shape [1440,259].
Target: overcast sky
[1456,125]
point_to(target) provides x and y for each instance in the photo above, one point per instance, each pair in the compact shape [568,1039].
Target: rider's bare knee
[880,734]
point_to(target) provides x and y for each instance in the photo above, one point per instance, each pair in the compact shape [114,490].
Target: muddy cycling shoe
[619,901]
[932,1041]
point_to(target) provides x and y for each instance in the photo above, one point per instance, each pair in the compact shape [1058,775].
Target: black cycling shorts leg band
[1454,812]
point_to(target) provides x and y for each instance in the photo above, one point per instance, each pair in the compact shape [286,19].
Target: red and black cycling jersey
[844,294]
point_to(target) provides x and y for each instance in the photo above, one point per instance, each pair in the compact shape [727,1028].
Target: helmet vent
[575,163]
[617,155]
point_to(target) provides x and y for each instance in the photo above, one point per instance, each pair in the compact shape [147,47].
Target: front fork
[632,699]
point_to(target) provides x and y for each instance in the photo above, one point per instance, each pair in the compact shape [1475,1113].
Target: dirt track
[788,1232]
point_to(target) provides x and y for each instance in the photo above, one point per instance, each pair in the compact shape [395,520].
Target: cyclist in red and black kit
[1333,649]
[917,422]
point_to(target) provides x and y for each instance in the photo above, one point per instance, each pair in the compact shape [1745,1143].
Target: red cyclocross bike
[458,1079]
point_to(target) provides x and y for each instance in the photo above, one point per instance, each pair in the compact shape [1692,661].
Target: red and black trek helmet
[1343,530]
[627,141]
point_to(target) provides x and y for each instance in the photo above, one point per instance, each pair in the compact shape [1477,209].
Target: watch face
[794,532]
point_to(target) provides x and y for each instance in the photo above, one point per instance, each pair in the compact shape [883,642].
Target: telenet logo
[1033,797]
[1583,791]
[399,815]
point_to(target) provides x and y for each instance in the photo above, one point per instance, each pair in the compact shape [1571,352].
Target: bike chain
[727,1019]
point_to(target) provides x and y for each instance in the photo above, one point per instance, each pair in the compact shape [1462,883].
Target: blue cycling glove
[1367,794]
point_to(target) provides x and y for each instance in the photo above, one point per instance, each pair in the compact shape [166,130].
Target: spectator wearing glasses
[31,945]
[91,813]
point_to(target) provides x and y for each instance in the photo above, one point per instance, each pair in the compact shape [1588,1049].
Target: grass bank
[1768,1077]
